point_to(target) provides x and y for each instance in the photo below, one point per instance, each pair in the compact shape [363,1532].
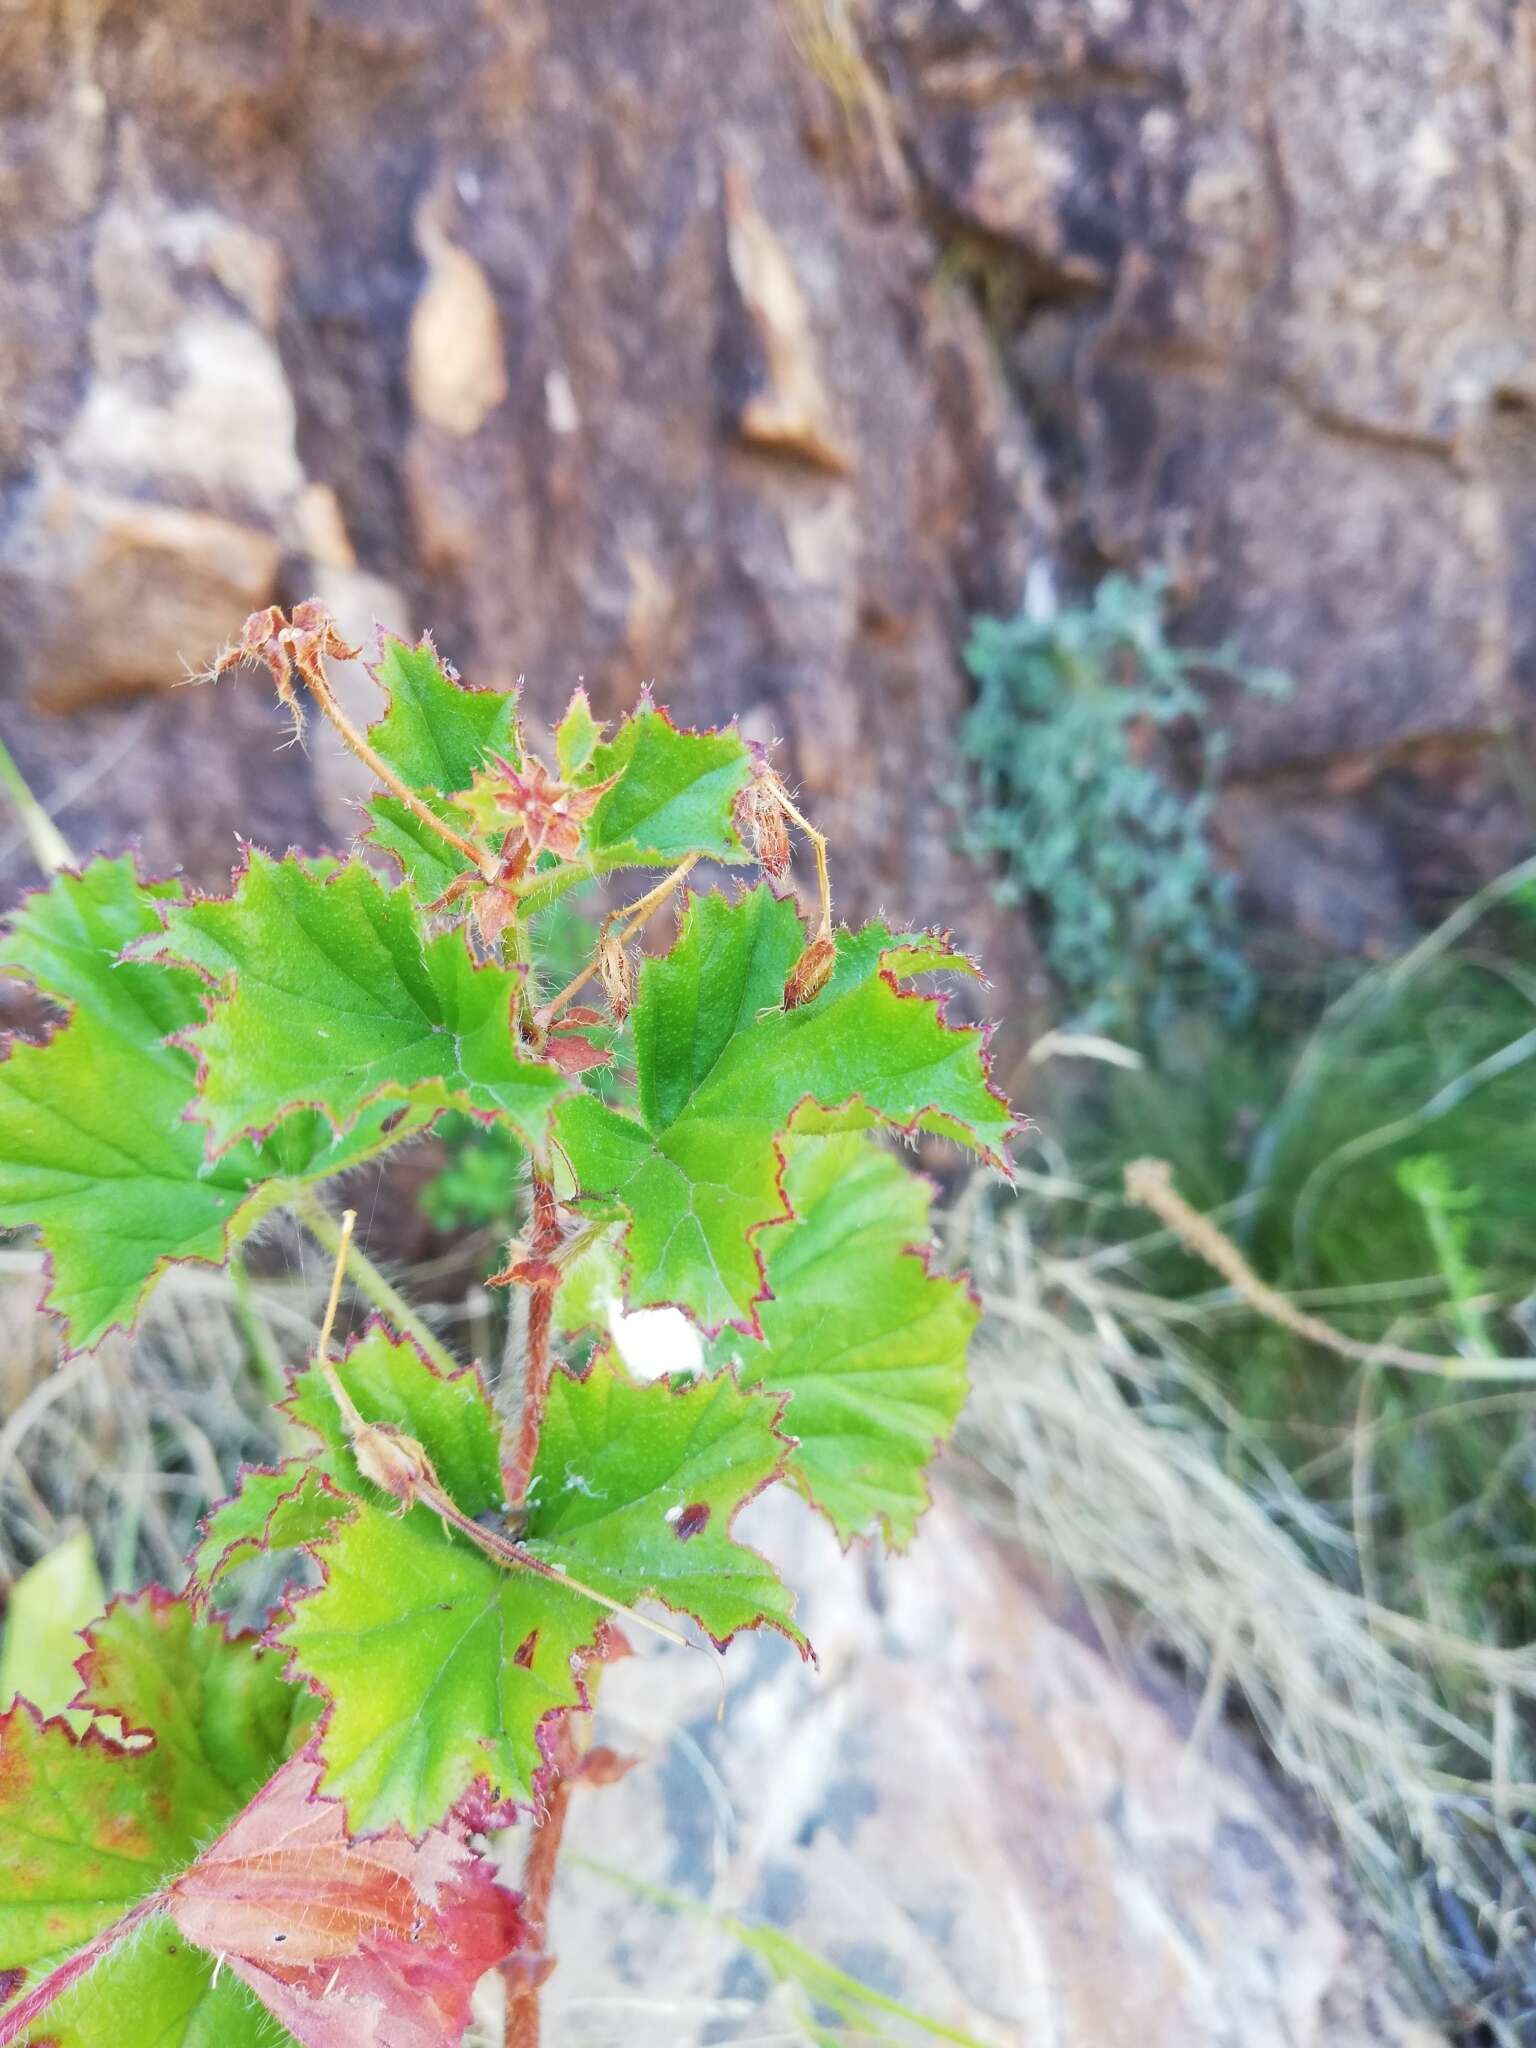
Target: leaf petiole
[818,841]
[628,921]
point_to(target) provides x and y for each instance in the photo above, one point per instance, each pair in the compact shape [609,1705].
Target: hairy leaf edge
[480,1796]
[216,990]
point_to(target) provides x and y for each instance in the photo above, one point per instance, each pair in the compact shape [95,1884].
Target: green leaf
[154,1990]
[299,1501]
[930,953]
[674,797]
[441,1663]
[591,1281]
[435,734]
[66,939]
[635,1488]
[390,1381]
[47,1608]
[90,1830]
[437,730]
[270,1510]
[723,1070]
[94,1146]
[577,734]
[869,1345]
[330,996]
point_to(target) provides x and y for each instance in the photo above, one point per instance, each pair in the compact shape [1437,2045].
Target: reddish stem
[543,1243]
[525,1976]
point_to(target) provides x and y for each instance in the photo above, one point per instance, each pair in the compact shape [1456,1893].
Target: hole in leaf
[689,1521]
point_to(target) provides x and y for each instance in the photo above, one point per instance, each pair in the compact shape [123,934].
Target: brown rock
[457,375]
[1275,303]
[634,345]
[127,596]
[787,407]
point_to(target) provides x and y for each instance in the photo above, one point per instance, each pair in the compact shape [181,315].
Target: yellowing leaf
[149,1888]
[48,1606]
[91,1832]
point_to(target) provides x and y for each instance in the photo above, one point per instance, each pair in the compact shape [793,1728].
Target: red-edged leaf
[351,1944]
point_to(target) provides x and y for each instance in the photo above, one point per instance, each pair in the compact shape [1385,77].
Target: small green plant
[479,1183]
[1367,1146]
[1078,804]
[279,1836]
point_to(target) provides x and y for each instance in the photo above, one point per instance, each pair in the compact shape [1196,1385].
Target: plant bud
[810,973]
[394,1462]
[618,975]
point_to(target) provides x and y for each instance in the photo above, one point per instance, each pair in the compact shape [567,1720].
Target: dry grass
[134,1440]
[829,36]
[1116,1459]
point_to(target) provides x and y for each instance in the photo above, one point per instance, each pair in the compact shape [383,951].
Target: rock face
[571,336]
[968,1807]
[750,348]
[1277,270]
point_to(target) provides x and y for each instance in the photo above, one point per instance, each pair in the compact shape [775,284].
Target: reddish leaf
[568,1050]
[376,1943]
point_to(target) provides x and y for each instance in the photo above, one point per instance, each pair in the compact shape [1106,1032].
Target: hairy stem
[525,1980]
[367,1279]
[484,862]
[819,848]
[623,924]
[538,1359]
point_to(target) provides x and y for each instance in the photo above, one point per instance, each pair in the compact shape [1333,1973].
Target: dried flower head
[547,814]
[393,1461]
[810,973]
[618,975]
[285,646]
[760,818]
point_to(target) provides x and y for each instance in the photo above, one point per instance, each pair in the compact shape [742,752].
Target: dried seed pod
[393,1461]
[618,975]
[810,973]
[760,817]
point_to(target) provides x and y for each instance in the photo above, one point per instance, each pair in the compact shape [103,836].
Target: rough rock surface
[749,348]
[564,332]
[969,1807]
[1276,271]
